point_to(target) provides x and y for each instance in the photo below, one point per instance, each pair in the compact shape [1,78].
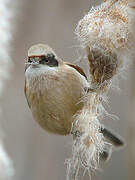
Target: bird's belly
[54,112]
[54,98]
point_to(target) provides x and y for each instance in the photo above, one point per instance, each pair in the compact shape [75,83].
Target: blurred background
[36,154]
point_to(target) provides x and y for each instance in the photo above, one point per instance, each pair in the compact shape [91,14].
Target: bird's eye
[48,60]
[44,60]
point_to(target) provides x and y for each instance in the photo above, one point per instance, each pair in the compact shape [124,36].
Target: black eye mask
[49,60]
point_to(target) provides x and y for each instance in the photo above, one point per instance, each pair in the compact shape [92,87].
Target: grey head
[41,54]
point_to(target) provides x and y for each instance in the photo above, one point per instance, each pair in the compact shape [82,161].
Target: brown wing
[77,68]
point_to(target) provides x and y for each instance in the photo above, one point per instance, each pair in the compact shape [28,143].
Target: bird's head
[40,55]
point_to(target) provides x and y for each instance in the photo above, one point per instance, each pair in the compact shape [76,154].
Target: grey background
[38,155]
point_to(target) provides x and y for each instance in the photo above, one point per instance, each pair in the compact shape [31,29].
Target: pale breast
[54,97]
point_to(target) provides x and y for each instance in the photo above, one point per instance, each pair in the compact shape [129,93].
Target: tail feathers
[113,137]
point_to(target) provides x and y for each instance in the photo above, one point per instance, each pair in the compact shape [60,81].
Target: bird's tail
[115,140]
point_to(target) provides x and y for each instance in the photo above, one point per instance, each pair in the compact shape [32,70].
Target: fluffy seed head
[107,32]
[107,26]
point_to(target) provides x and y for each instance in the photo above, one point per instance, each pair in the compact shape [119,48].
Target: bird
[54,89]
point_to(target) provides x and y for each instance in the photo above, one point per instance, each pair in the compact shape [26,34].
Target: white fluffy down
[90,143]
[109,27]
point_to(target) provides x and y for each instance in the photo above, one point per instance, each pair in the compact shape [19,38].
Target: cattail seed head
[107,32]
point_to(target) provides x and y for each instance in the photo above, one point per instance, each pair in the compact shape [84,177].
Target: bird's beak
[33,64]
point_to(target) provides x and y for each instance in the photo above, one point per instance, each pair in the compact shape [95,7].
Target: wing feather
[77,68]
